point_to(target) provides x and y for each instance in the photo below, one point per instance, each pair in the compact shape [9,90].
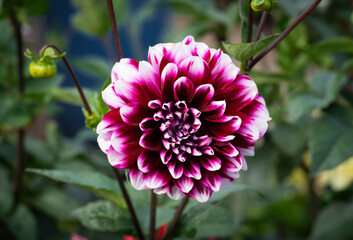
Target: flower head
[183,121]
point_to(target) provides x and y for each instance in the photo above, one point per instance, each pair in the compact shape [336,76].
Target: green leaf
[244,51]
[207,220]
[92,16]
[330,144]
[289,138]
[69,95]
[104,216]
[223,193]
[95,182]
[52,199]
[5,193]
[335,44]
[93,66]
[22,224]
[324,89]
[334,222]
[43,86]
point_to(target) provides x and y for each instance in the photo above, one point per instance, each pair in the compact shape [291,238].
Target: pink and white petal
[183,89]
[200,192]
[151,141]
[168,77]
[212,180]
[175,168]
[126,140]
[257,111]
[165,156]
[133,113]
[225,78]
[188,40]
[177,53]
[120,160]
[202,97]
[175,194]
[129,91]
[109,122]
[249,130]
[148,161]
[203,51]
[184,184]
[150,80]
[219,63]
[227,149]
[240,93]
[162,190]
[196,69]
[216,113]
[223,129]
[104,141]
[137,179]
[192,169]
[156,53]
[211,163]
[126,69]
[148,124]
[157,178]
[111,99]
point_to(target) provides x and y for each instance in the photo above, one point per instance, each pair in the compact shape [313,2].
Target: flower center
[178,126]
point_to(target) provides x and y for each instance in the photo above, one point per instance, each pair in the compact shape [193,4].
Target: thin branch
[19,163]
[176,217]
[114,29]
[153,214]
[129,204]
[283,35]
[261,26]
[71,71]
[250,24]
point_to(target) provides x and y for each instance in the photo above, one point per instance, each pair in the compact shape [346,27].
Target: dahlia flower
[181,122]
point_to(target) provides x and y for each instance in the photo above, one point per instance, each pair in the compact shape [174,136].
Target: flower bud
[261,5]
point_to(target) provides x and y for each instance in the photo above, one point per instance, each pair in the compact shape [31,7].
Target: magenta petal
[200,192]
[137,179]
[133,113]
[196,69]
[224,129]
[211,163]
[213,181]
[162,190]
[155,55]
[148,124]
[184,184]
[216,113]
[165,156]
[192,169]
[227,149]
[175,194]
[168,77]
[202,97]
[178,53]
[150,80]
[151,141]
[183,89]
[126,69]
[225,78]
[175,168]
[128,91]
[120,160]
[157,178]
[249,130]
[109,122]
[148,161]
[203,51]
[111,99]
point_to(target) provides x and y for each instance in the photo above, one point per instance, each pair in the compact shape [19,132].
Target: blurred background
[299,183]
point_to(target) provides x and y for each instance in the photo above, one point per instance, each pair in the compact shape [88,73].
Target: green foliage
[95,182]
[244,51]
[92,16]
[104,216]
[332,148]
[334,222]
[22,224]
